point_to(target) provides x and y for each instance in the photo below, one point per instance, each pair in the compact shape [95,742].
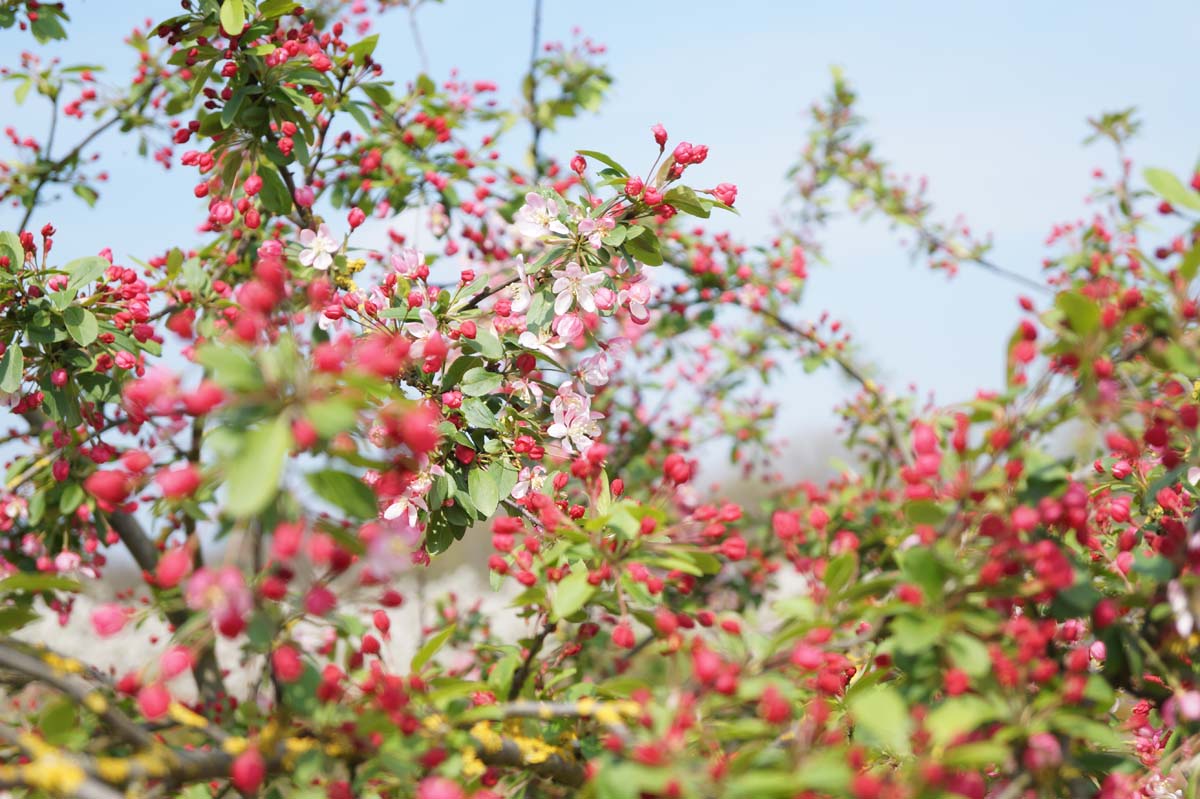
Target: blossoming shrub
[274,422]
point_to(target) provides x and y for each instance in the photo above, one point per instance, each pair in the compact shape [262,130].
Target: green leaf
[274,193]
[924,511]
[30,582]
[604,159]
[920,566]
[230,109]
[16,617]
[81,324]
[686,200]
[488,344]
[969,654]
[481,484]
[86,193]
[346,491]
[442,531]
[57,721]
[1157,568]
[12,369]
[270,9]
[882,717]
[1083,313]
[825,772]
[976,755]
[10,245]
[72,497]
[761,784]
[1171,188]
[480,382]
[644,247]
[478,414]
[233,17]
[958,715]
[331,416]
[1190,263]
[1076,601]
[915,634]
[253,476]
[838,572]
[499,679]
[83,271]
[231,366]
[431,648]
[572,593]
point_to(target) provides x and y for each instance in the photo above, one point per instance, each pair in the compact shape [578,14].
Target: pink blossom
[109,619]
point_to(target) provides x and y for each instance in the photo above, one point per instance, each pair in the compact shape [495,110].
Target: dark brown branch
[55,671]
[483,295]
[207,670]
[54,167]
[526,668]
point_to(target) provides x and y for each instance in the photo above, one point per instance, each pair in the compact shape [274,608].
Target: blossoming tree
[274,421]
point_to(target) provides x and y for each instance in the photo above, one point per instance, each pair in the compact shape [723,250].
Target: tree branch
[57,672]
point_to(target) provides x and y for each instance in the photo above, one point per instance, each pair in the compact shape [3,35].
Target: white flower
[568,399]
[529,480]
[407,505]
[572,285]
[528,391]
[574,420]
[1177,598]
[538,218]
[522,290]
[595,229]
[574,429]
[594,370]
[320,248]
[1159,787]
[544,342]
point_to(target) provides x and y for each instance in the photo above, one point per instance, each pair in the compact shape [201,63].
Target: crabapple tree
[278,419]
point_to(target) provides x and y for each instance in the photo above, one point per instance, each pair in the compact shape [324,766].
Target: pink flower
[1189,705]
[175,661]
[248,771]
[178,483]
[109,619]
[1042,751]
[725,193]
[153,700]
[224,594]
[439,788]
[173,566]
[110,488]
[319,601]
[288,664]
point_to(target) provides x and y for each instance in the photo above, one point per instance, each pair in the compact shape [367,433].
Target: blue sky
[986,100]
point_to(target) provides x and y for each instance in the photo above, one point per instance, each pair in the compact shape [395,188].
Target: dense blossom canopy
[996,598]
